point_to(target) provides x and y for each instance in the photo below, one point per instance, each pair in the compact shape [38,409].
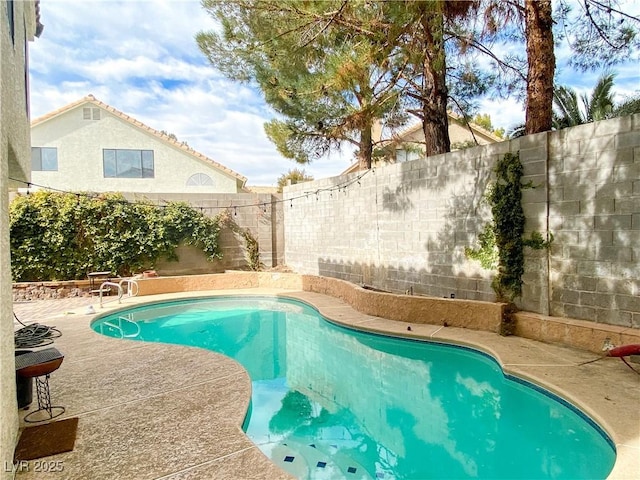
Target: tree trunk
[435,121]
[542,63]
[365,151]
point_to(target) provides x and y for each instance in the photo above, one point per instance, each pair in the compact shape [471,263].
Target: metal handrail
[110,284]
[132,286]
[119,328]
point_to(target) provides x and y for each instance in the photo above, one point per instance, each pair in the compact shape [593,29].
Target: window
[90,113]
[407,155]
[127,163]
[44,159]
[199,179]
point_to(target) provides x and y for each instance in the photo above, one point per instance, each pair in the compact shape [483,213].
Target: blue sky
[140,57]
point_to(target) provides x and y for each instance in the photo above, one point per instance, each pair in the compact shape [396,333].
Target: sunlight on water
[328,402]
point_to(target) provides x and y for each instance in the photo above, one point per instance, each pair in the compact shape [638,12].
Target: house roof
[138,124]
[456,118]
[398,137]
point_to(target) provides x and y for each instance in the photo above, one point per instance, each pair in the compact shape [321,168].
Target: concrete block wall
[260,213]
[405,226]
[594,213]
[399,227]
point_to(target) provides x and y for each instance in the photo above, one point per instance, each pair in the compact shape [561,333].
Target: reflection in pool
[329,402]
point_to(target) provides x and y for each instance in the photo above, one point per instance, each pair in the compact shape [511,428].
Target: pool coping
[590,387]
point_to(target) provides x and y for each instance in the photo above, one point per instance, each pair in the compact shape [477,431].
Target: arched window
[199,180]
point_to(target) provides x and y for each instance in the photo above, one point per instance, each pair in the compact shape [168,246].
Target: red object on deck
[624,351]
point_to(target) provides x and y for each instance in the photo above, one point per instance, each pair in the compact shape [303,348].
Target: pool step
[318,462]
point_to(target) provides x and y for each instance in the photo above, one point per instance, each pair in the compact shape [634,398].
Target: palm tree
[629,106]
[571,110]
[598,106]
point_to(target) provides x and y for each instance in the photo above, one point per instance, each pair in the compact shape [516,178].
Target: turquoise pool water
[330,402]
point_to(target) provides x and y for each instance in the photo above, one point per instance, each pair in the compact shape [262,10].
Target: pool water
[329,402]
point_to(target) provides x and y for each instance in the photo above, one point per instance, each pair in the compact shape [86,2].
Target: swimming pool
[328,402]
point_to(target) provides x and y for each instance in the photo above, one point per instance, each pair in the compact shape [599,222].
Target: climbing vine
[63,236]
[501,243]
[252,248]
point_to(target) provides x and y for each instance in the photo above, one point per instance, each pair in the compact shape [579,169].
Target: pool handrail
[132,286]
[108,286]
[118,326]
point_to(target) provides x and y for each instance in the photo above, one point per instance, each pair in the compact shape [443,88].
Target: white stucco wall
[14,163]
[457,134]
[80,167]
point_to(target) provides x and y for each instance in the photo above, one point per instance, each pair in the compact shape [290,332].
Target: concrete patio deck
[152,411]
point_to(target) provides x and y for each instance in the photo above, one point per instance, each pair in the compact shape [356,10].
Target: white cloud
[140,56]
[507,113]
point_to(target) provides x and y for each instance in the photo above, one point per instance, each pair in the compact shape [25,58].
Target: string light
[338,187]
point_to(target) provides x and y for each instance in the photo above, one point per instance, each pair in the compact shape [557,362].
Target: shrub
[56,236]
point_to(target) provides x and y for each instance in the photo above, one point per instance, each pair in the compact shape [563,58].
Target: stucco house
[91,146]
[408,144]
[20,24]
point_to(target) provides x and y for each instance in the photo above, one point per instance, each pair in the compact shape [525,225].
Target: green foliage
[253,250]
[506,207]
[600,105]
[331,69]
[537,241]
[463,145]
[62,236]
[501,243]
[569,112]
[603,32]
[251,243]
[484,121]
[295,175]
[327,81]
[629,106]
[487,251]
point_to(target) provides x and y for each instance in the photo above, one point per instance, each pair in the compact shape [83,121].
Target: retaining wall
[408,309]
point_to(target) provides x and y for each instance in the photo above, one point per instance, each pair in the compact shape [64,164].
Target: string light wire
[340,186]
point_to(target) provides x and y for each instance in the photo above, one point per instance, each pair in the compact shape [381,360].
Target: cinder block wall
[260,213]
[405,226]
[594,213]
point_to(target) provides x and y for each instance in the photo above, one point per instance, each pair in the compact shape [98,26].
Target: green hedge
[63,236]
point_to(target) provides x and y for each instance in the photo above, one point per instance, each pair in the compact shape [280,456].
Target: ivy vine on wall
[501,243]
[252,248]
[63,236]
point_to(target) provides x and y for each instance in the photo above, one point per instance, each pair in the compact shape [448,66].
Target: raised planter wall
[472,314]
[29,291]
